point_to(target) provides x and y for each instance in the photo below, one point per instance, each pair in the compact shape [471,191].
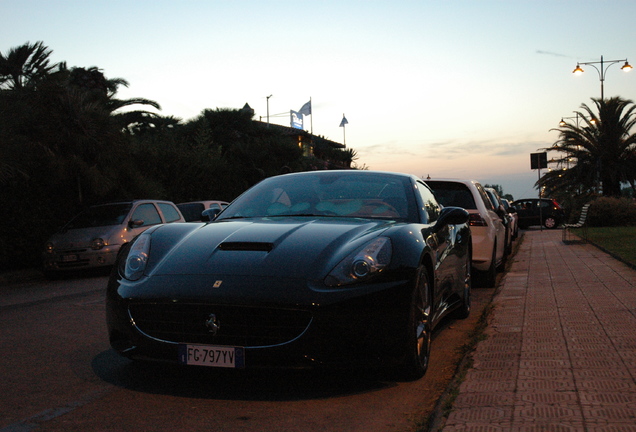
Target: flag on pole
[296,120]
[305,109]
[344,121]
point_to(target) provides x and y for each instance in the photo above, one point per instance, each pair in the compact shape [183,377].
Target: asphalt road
[58,373]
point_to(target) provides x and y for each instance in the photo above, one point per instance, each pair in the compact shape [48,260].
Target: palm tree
[103,91]
[25,66]
[599,153]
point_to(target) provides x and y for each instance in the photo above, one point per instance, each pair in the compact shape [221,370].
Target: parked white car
[92,238]
[515,217]
[486,226]
[506,217]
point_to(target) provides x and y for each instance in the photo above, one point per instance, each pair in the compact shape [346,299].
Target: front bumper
[77,259]
[364,329]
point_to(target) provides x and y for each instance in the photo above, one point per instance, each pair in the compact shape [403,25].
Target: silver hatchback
[93,238]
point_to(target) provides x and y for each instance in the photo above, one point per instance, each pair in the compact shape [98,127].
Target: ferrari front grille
[234,325]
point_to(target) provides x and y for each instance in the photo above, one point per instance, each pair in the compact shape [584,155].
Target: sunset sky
[464,89]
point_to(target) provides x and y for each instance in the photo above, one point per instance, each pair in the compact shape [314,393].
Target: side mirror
[451,216]
[135,223]
[210,214]
[501,212]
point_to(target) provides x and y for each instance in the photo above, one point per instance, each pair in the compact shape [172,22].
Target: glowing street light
[578,117]
[563,122]
[602,70]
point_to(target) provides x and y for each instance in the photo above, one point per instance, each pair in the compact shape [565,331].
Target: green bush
[612,212]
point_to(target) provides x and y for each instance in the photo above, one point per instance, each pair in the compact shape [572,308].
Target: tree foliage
[67,141]
[25,66]
[597,154]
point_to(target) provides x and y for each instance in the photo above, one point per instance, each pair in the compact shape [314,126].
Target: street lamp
[601,71]
[563,122]
[578,117]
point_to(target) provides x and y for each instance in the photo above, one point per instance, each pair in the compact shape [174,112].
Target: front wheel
[418,337]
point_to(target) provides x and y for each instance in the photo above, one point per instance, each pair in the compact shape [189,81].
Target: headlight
[137,258]
[97,243]
[361,264]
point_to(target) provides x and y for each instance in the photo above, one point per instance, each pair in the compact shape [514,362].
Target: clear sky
[463,89]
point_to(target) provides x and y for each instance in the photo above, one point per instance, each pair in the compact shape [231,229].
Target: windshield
[191,211]
[102,215]
[453,194]
[328,193]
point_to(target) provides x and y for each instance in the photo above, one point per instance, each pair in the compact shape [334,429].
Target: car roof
[493,190]
[204,202]
[137,201]
[453,180]
[533,199]
[352,171]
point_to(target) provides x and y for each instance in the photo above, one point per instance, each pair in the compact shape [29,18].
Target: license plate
[69,258]
[212,356]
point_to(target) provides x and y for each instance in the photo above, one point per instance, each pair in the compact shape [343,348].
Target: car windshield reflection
[335,194]
[103,215]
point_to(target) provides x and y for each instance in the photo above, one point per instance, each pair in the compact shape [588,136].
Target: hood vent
[246,246]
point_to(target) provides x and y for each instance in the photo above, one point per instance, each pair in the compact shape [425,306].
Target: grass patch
[618,241]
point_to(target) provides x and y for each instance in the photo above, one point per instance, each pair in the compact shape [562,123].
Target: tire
[508,244]
[490,276]
[502,265]
[463,311]
[418,332]
[550,223]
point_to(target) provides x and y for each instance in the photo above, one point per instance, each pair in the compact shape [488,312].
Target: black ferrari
[323,268]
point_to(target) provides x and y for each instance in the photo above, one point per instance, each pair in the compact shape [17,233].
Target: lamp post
[267,97]
[605,64]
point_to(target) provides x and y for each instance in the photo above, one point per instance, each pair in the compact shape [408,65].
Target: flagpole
[312,116]
[344,136]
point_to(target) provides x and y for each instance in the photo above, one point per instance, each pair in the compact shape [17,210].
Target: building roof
[317,140]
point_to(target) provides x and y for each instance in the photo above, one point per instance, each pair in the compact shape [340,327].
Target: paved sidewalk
[561,348]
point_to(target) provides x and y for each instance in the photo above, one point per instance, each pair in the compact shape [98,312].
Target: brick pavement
[561,348]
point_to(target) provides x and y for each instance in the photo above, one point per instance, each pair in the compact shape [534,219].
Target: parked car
[93,238]
[550,214]
[506,217]
[487,228]
[515,217]
[193,211]
[321,268]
